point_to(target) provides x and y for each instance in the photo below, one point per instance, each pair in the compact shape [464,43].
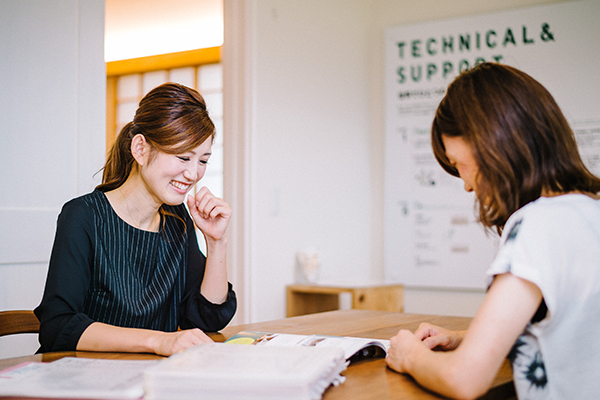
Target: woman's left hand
[401,346]
[210,214]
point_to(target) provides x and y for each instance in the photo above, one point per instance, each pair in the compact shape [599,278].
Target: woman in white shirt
[503,134]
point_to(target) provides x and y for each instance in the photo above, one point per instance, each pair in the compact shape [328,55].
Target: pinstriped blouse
[103,269]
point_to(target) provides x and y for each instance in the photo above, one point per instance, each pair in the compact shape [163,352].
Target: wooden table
[369,379]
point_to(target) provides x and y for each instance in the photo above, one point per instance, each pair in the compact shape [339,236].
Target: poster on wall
[431,230]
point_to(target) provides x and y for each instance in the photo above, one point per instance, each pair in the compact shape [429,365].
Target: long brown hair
[521,141]
[172,117]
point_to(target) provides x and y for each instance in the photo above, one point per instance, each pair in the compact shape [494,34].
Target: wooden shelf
[309,299]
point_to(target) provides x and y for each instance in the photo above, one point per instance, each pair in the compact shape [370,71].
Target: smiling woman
[129,248]
[200,70]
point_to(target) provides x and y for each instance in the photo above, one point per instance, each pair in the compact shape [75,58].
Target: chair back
[18,321]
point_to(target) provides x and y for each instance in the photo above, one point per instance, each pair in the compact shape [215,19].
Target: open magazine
[354,348]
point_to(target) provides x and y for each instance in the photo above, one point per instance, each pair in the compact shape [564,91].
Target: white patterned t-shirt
[554,242]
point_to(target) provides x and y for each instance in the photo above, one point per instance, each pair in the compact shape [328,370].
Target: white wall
[309,144]
[312,165]
[304,103]
[52,109]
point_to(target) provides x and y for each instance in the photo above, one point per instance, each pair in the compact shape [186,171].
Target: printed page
[350,345]
[77,378]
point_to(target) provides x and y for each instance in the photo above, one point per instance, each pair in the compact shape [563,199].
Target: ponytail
[119,161]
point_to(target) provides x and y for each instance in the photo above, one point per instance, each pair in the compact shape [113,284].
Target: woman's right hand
[168,343]
[438,338]
[210,214]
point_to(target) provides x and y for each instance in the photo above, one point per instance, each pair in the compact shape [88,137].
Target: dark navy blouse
[103,269]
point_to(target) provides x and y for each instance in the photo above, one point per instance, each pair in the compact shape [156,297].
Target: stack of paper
[76,378]
[221,371]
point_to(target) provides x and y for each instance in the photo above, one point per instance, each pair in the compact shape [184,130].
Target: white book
[222,371]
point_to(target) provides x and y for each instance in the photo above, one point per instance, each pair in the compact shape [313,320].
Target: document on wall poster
[438,233]
[432,236]
[587,134]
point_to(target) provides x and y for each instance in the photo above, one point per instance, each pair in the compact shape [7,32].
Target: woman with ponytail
[126,273]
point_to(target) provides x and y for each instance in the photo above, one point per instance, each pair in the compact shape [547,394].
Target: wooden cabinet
[309,299]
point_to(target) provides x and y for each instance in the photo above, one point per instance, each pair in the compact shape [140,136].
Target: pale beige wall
[52,109]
